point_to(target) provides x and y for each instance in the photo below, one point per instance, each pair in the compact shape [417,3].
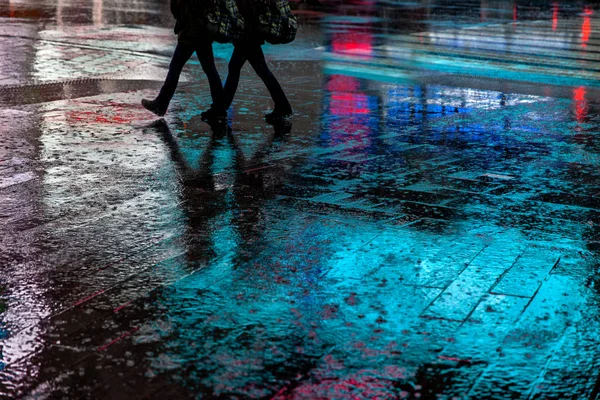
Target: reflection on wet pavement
[424,227]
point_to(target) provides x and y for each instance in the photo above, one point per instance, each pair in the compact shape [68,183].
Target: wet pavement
[427,226]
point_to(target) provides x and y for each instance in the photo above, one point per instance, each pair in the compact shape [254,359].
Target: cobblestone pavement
[426,227]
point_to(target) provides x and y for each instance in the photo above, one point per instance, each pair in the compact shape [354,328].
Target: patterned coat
[267,20]
[214,20]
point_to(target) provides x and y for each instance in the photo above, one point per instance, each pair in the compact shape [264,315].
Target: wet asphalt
[424,227]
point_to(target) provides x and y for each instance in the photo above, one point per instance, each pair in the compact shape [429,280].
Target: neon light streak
[354,42]
[581,105]
[586,28]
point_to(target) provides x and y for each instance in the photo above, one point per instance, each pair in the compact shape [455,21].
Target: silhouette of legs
[237,61]
[182,54]
[207,60]
[256,58]
[252,52]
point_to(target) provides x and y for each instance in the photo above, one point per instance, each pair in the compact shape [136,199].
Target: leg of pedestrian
[237,61]
[282,109]
[159,106]
[205,54]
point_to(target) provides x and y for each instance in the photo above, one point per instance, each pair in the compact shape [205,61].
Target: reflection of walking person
[199,188]
[196,33]
[258,28]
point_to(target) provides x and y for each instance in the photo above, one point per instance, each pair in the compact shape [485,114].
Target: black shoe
[281,127]
[213,115]
[155,107]
[278,115]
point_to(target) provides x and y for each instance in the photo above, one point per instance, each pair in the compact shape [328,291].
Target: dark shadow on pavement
[241,192]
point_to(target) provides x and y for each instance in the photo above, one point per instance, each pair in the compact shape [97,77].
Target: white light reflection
[97,10]
[59,13]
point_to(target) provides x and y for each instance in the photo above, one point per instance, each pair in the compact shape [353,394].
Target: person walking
[199,23]
[249,49]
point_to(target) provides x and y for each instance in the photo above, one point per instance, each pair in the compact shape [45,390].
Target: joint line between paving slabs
[434,318]
[503,274]
[450,283]
[518,296]
[369,242]
[545,368]
[540,286]
[476,382]
[497,280]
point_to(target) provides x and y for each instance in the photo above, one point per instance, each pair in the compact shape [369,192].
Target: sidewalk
[407,237]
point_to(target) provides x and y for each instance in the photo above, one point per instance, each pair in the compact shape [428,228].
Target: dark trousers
[183,52]
[253,53]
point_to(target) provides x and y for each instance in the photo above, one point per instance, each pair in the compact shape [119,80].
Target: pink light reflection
[355,42]
[347,104]
[344,99]
[342,83]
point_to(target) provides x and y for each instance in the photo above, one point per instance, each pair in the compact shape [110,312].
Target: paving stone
[527,274]
[480,338]
[459,300]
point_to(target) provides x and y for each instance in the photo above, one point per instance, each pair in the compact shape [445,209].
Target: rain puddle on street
[425,226]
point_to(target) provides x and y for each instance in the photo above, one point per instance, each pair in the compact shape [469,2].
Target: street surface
[426,227]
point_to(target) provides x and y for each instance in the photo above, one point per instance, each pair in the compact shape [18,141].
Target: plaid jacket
[275,21]
[219,20]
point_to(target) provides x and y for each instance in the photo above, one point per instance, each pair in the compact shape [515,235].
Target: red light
[349,104]
[112,114]
[586,28]
[579,94]
[581,105]
[91,117]
[554,16]
[353,42]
